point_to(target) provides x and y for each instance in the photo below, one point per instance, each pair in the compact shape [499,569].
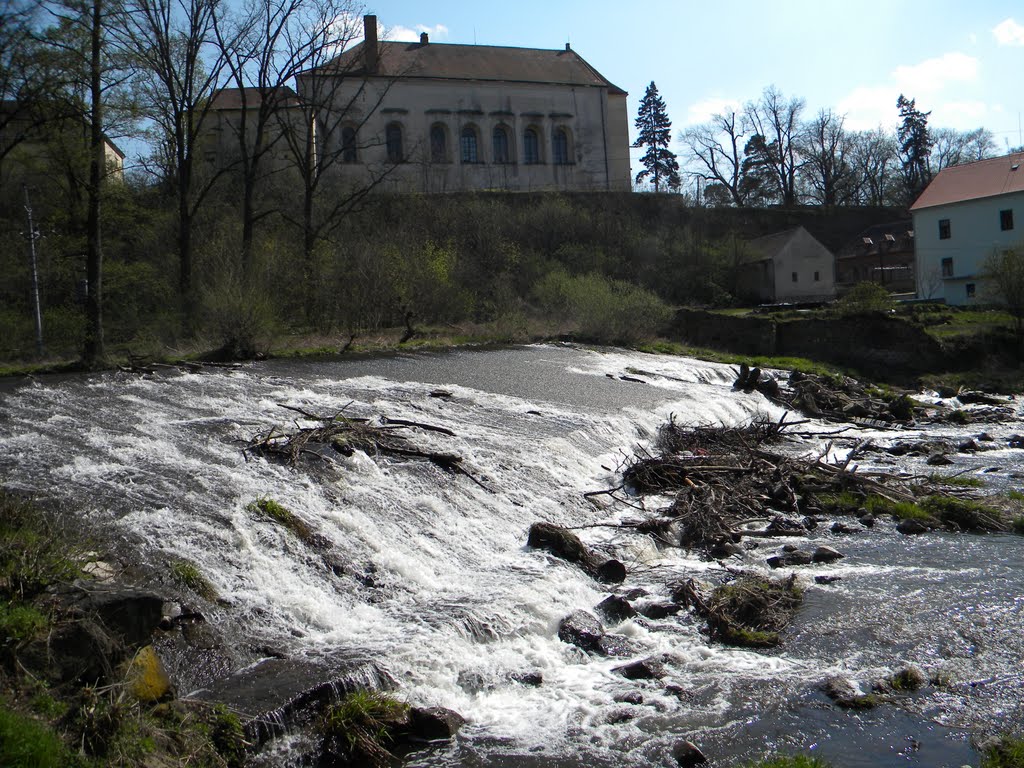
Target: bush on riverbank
[1007,753]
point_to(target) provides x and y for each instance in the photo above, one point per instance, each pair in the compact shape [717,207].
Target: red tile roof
[985,178]
[474,62]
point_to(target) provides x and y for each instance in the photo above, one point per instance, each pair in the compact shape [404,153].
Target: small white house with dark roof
[437,117]
[966,214]
[787,267]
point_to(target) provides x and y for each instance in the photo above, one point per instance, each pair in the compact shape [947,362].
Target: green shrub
[960,481]
[1017,525]
[1008,753]
[188,575]
[360,728]
[28,743]
[20,622]
[865,297]
[965,514]
[34,551]
[601,309]
[272,510]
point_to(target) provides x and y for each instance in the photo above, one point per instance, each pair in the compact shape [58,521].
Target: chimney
[424,39]
[370,43]
[568,47]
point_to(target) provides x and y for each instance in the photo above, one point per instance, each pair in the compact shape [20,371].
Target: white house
[790,266]
[436,117]
[965,215]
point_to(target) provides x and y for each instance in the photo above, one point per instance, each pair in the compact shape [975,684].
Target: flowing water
[441,590]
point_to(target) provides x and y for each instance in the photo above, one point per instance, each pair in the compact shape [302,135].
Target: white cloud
[402,34]
[868,107]
[961,115]
[702,111]
[932,75]
[1009,32]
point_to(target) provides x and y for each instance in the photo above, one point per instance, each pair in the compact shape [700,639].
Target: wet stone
[630,697]
[826,555]
[615,609]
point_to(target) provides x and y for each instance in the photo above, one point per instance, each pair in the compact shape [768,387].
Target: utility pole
[32,235]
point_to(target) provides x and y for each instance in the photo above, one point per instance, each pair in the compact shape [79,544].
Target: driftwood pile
[344,435]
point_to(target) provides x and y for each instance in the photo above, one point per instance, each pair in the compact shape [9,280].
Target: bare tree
[952,147]
[827,149]
[179,72]
[715,154]
[777,120]
[876,165]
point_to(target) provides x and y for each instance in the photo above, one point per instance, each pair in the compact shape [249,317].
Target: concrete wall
[975,234]
[595,123]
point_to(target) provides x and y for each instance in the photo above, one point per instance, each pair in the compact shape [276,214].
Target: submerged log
[566,545]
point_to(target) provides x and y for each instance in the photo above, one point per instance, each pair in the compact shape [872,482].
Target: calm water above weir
[452,603]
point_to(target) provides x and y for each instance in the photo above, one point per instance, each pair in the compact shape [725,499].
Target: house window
[500,142]
[944,232]
[531,147]
[947,267]
[970,290]
[560,147]
[817,277]
[468,144]
[393,141]
[1006,220]
[348,144]
[794,277]
[438,144]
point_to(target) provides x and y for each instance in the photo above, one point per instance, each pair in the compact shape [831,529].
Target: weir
[425,575]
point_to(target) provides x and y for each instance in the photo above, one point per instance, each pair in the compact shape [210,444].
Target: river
[443,592]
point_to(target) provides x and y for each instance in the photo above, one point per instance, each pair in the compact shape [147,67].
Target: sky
[960,60]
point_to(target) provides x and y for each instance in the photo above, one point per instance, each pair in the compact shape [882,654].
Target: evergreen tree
[915,146]
[654,131]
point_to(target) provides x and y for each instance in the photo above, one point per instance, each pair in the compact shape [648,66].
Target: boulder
[147,679]
[582,629]
[687,755]
[616,609]
[826,555]
[827,579]
[531,679]
[615,645]
[789,559]
[567,545]
[659,610]
[629,697]
[433,723]
[939,460]
[645,669]
[911,527]
[130,614]
[845,693]
[867,520]
[843,528]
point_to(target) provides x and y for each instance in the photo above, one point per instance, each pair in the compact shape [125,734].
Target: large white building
[434,117]
[965,215]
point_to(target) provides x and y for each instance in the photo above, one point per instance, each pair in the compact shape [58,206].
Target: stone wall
[873,344]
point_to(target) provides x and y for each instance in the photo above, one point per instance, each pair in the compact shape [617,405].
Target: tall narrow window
[794,277]
[393,140]
[348,144]
[970,290]
[560,147]
[531,147]
[468,143]
[947,266]
[438,144]
[1006,220]
[944,230]
[500,142]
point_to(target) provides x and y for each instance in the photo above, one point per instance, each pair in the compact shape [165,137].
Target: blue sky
[961,60]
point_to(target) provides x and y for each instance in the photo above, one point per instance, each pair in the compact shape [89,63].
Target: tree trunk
[93,352]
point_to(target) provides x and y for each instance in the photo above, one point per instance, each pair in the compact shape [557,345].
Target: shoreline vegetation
[80,689]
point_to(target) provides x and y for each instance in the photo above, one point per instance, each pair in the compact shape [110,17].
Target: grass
[958,481]
[34,553]
[789,761]
[752,610]
[27,743]
[1008,753]
[19,623]
[965,514]
[275,512]
[361,727]
[1015,495]
[188,575]
[804,365]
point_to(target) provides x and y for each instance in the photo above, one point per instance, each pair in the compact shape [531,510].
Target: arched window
[531,146]
[468,145]
[393,140]
[348,144]
[500,142]
[438,144]
[560,147]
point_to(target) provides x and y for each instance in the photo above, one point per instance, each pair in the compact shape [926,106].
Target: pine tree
[915,146]
[654,131]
